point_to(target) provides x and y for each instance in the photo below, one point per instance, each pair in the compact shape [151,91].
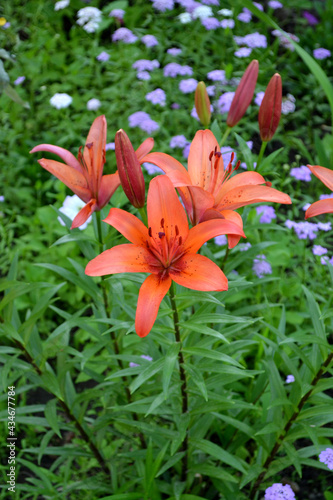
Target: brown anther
[237,165]
[268,184]
[216,163]
[218,154]
[211,155]
[89,145]
[180,239]
[147,244]
[162,223]
[232,156]
[160,235]
[149,231]
[230,168]
[215,149]
[177,230]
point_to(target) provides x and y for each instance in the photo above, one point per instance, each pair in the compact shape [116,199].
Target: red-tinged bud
[244,93]
[129,169]
[202,104]
[270,109]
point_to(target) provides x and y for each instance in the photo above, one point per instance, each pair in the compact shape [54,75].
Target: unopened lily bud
[202,104]
[270,108]
[244,93]
[129,169]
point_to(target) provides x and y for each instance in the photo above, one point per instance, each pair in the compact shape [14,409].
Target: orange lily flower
[208,190]
[167,249]
[84,175]
[321,206]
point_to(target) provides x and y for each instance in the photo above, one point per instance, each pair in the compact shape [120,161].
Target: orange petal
[144,148]
[169,165]
[199,273]
[234,217]
[109,183]
[126,258]
[165,211]
[128,225]
[243,179]
[69,176]
[65,155]
[151,294]
[84,214]
[324,174]
[245,195]
[320,207]
[198,235]
[199,164]
[201,201]
[95,157]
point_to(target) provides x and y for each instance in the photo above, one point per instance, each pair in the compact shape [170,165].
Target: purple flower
[189,5]
[302,173]
[201,12]
[279,492]
[225,101]
[174,51]
[143,75]
[226,155]
[325,260]
[243,247]
[284,41]
[163,5]
[259,97]
[217,75]
[6,26]
[152,169]
[186,150]
[289,380]
[210,23]
[259,6]
[142,120]
[268,214]
[211,2]
[326,457]
[211,90]
[311,19]
[149,41]
[124,35]
[288,104]
[145,64]
[175,69]
[321,53]
[188,86]
[227,23]
[118,13]
[157,97]
[178,141]
[221,240]
[303,229]
[143,356]
[325,196]
[19,80]
[110,146]
[175,105]
[324,226]
[244,17]
[261,266]
[133,365]
[93,104]
[249,144]
[103,56]
[319,250]
[243,52]
[255,40]
[274,4]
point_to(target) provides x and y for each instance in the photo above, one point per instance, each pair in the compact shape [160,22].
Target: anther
[232,156]
[89,145]
[211,155]
[268,184]
[147,244]
[160,235]
[149,231]
[180,239]
[177,230]
[237,165]
[162,223]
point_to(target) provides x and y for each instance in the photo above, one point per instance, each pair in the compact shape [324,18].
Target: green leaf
[146,374]
[217,452]
[246,151]
[124,496]
[169,364]
[171,462]
[198,379]
[206,353]
[215,128]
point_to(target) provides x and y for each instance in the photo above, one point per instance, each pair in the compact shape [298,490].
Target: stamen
[237,165]
[177,230]
[268,184]
[232,156]
[180,239]
[160,235]
[89,145]
[211,155]
[149,232]
[147,244]
[162,223]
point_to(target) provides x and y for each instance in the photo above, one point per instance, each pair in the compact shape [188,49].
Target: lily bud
[202,104]
[129,169]
[244,93]
[270,109]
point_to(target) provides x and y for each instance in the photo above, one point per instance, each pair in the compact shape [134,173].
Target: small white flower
[185,18]
[62,4]
[93,104]
[61,100]
[202,12]
[71,207]
[225,12]
[89,18]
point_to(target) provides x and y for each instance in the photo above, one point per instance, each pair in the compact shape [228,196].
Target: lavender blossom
[326,457]
[93,104]
[118,13]
[217,75]
[149,41]
[221,240]
[210,90]
[311,19]
[142,120]
[186,150]
[255,40]
[225,12]
[243,247]
[260,268]
[259,97]
[185,18]
[289,380]
[103,56]
[324,226]
[288,104]
[152,169]
[62,4]
[304,230]
[143,356]
[225,101]
[226,155]
[284,41]
[227,23]
[19,80]
[259,6]
[268,214]
[321,53]
[124,35]
[279,492]
[175,69]
[110,146]
[89,18]
[143,75]
[325,196]
[188,86]
[302,173]
[145,64]
[163,5]
[244,17]
[210,23]
[202,12]
[243,52]
[178,141]
[274,4]
[61,100]
[319,250]
[174,51]
[157,97]
[211,2]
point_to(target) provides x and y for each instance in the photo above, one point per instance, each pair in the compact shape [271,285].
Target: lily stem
[99,231]
[182,373]
[225,258]
[288,425]
[261,153]
[225,136]
[143,216]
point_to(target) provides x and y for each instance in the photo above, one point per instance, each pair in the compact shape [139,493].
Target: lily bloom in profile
[210,191]
[84,175]
[167,249]
[321,206]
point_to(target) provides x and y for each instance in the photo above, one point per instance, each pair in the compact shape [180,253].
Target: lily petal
[94,156]
[245,195]
[324,174]
[200,200]
[320,207]
[126,258]
[84,214]
[230,215]
[199,273]
[69,176]
[151,294]
[198,235]
[199,164]
[109,183]
[238,180]
[170,166]
[165,211]
[65,155]
[128,225]
[144,148]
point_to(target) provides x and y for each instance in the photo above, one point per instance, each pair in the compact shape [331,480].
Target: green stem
[225,258]
[261,153]
[225,136]
[99,231]
[143,216]
[288,425]
[182,373]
